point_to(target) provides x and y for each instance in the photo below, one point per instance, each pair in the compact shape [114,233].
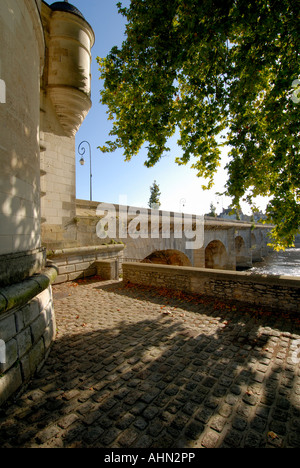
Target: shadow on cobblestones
[131,368]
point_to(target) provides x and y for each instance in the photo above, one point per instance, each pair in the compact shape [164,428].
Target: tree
[222,72]
[154,196]
[212,211]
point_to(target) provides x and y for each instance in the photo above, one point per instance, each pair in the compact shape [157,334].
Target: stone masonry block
[66,269]
[49,335]
[9,383]
[36,355]
[38,327]
[11,355]
[61,279]
[49,312]
[30,312]
[19,317]
[88,258]
[75,259]
[7,328]
[59,262]
[107,269]
[76,275]
[24,342]
[25,367]
[83,266]
[44,298]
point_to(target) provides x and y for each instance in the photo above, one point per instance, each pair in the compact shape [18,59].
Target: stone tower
[65,102]
[45,62]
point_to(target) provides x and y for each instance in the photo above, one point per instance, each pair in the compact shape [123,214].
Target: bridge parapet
[223,243]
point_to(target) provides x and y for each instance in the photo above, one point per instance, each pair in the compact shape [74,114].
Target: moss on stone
[19,294]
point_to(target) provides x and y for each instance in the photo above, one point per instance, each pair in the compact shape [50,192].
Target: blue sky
[112,177]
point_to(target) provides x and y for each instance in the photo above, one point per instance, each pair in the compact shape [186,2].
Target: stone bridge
[157,236]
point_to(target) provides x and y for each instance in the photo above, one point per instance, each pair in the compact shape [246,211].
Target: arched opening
[168,257]
[216,256]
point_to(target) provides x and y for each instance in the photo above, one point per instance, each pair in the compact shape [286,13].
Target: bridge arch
[216,256]
[168,257]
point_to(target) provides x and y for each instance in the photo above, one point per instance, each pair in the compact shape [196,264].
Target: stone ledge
[18,294]
[80,251]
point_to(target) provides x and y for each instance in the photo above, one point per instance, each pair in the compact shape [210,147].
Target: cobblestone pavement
[135,367]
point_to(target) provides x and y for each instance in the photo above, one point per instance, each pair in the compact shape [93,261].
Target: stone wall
[45,96]
[21,61]
[81,262]
[57,188]
[27,329]
[260,290]
[27,324]
[65,101]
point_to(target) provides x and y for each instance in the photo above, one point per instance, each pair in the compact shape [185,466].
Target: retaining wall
[81,262]
[262,290]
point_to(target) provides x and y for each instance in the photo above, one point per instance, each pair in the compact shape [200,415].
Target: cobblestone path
[135,367]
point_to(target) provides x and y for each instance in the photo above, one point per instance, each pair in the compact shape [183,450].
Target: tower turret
[69,65]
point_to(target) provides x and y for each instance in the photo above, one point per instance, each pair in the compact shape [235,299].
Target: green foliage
[154,196]
[213,211]
[220,71]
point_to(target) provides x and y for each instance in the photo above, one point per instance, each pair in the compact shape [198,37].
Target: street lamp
[182,204]
[81,151]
